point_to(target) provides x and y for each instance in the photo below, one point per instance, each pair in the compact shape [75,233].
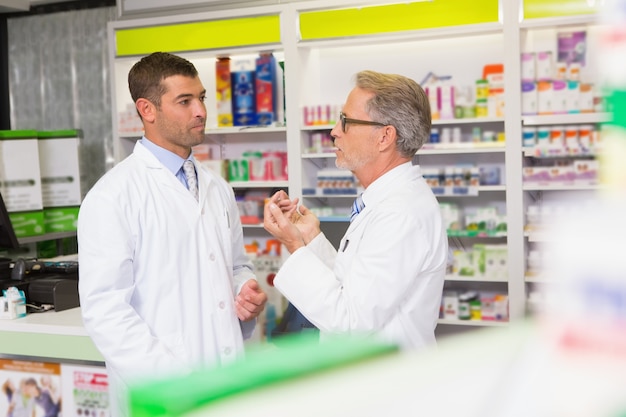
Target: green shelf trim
[18,134]
[214,34]
[534,9]
[293,357]
[372,20]
[55,134]
[49,346]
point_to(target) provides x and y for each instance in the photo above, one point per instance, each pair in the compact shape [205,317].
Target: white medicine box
[21,181]
[60,179]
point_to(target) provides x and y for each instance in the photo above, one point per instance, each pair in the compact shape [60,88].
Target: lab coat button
[212,257]
[227,351]
[222,305]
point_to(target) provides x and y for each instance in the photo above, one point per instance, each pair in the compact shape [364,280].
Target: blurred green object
[297,356]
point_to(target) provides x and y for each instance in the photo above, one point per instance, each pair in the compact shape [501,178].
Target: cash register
[46,284]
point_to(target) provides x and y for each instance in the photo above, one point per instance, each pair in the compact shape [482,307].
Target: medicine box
[266,87]
[20,180]
[244,103]
[223,90]
[60,179]
[450,301]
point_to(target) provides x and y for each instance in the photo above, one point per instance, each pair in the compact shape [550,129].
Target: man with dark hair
[165,284]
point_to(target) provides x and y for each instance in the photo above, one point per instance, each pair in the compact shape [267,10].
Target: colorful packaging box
[60,179]
[20,179]
[224,92]
[244,102]
[266,87]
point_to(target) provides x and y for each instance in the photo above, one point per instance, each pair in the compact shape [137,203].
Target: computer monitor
[8,240]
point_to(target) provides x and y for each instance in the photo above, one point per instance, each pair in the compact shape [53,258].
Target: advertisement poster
[85,391]
[30,389]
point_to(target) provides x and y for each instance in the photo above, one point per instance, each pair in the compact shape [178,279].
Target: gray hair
[401,102]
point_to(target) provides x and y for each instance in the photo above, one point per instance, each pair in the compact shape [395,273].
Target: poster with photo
[30,389]
[85,391]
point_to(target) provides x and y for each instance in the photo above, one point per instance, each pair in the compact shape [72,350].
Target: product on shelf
[575,172]
[129,121]
[258,166]
[484,221]
[320,114]
[320,142]
[555,141]
[482,261]
[243,85]
[223,91]
[336,181]
[266,89]
[474,306]
[460,179]
[551,82]
[251,205]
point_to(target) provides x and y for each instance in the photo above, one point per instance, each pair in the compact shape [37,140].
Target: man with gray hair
[386,279]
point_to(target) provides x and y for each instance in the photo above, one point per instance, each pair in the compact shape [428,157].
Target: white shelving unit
[541,35]
[320,72]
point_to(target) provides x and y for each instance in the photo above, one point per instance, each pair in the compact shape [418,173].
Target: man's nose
[200,110]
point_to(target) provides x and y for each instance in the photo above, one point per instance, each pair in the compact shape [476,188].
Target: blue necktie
[357,207]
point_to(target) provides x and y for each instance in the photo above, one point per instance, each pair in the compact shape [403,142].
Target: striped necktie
[192,181]
[357,207]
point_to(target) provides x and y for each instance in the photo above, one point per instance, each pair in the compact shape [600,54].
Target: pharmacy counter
[59,336]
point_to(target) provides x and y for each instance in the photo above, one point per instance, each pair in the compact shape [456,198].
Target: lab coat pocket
[350,242]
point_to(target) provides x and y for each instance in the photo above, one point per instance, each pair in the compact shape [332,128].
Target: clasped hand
[250,301]
[293,226]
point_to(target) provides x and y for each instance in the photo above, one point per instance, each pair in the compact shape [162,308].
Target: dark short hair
[144,78]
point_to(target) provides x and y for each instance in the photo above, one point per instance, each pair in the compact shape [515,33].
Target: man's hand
[307,223]
[280,226]
[250,301]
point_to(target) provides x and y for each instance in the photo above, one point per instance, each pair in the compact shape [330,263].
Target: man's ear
[146,109]
[388,137]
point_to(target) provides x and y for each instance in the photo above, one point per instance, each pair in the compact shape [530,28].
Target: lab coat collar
[385,184]
[170,180]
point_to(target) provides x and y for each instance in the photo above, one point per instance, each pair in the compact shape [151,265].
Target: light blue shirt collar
[170,160]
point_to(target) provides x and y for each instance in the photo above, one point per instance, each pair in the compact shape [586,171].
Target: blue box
[265,89]
[244,104]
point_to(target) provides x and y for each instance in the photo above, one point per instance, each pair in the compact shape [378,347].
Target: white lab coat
[159,272]
[387,278]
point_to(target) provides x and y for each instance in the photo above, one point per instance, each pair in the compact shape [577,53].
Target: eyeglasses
[345,120]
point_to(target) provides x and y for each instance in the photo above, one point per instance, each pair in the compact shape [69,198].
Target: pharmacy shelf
[475,278]
[467,121]
[252,225]
[535,153]
[537,279]
[44,237]
[259,184]
[317,127]
[482,323]
[318,155]
[561,187]
[246,129]
[462,148]
[565,119]
[320,72]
